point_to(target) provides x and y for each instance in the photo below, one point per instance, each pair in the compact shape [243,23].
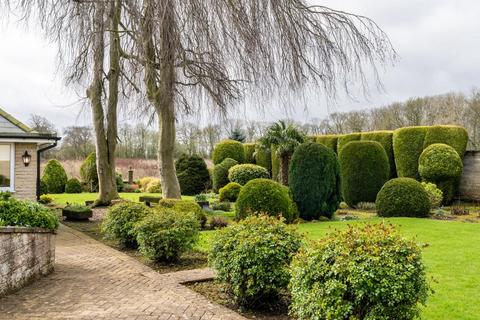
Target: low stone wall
[470,182]
[25,254]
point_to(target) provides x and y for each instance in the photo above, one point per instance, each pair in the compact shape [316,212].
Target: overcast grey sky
[438,42]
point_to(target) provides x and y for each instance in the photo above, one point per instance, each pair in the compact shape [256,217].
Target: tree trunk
[284,163]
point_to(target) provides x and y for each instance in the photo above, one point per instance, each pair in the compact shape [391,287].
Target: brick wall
[25,177]
[470,182]
[25,254]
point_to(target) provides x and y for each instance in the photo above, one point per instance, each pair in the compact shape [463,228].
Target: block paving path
[94,281]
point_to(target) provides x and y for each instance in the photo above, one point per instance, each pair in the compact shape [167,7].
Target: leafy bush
[119,182]
[185,206]
[403,197]
[367,272]
[228,149]
[249,149]
[154,186]
[364,170]
[217,222]
[54,176]
[264,196]
[166,234]
[26,214]
[407,148]
[314,180]
[263,157]
[242,173]
[230,192]
[454,136]
[435,195]
[220,173]
[385,138]
[366,206]
[45,199]
[73,186]
[330,141]
[252,257]
[88,172]
[346,138]
[143,183]
[192,174]
[120,220]
[43,187]
[222,206]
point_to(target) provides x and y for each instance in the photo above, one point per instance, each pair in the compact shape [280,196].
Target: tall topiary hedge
[55,177]
[263,157]
[314,180]
[228,149]
[454,136]
[346,138]
[220,173]
[407,147]
[385,138]
[88,172]
[364,170]
[329,140]
[275,164]
[249,149]
[192,173]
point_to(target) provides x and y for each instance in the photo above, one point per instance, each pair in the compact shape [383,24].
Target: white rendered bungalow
[20,154]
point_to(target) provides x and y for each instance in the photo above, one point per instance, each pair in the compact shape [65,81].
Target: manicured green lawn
[63,198]
[452,256]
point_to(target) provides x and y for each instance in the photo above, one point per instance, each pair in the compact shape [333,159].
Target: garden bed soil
[215,292]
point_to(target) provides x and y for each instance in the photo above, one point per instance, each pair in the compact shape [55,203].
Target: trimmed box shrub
[435,195]
[185,206]
[367,272]
[314,180]
[242,173]
[73,186]
[230,192]
[329,140]
[264,196]
[228,149]
[26,213]
[45,199]
[454,136]
[263,157]
[119,222]
[192,174]
[385,138]
[249,149]
[54,176]
[407,148]
[403,197]
[252,257]
[88,172]
[220,173]
[346,138]
[166,234]
[364,170]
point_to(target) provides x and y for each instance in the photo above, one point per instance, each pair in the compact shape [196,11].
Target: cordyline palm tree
[284,137]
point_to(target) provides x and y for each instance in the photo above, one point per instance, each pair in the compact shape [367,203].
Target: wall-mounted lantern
[26,158]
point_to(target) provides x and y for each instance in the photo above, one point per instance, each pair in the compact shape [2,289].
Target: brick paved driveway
[93,281]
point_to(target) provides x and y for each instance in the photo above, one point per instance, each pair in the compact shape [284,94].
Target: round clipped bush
[435,195]
[407,148]
[314,180]
[252,257]
[46,199]
[54,176]
[264,196]
[220,173]
[440,162]
[88,172]
[367,272]
[166,234]
[403,197]
[120,220]
[192,174]
[230,192]
[242,173]
[364,170]
[73,186]
[228,149]
[185,206]
[249,149]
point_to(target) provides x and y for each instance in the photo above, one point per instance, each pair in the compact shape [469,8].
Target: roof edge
[15,121]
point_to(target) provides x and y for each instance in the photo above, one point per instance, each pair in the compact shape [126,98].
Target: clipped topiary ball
[228,149]
[264,196]
[242,173]
[314,180]
[54,176]
[440,162]
[192,174]
[220,173]
[230,192]
[403,197]
[73,186]
[364,170]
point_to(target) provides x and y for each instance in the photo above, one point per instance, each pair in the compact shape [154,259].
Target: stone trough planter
[79,215]
[25,255]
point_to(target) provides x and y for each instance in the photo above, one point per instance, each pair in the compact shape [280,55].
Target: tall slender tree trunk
[284,164]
